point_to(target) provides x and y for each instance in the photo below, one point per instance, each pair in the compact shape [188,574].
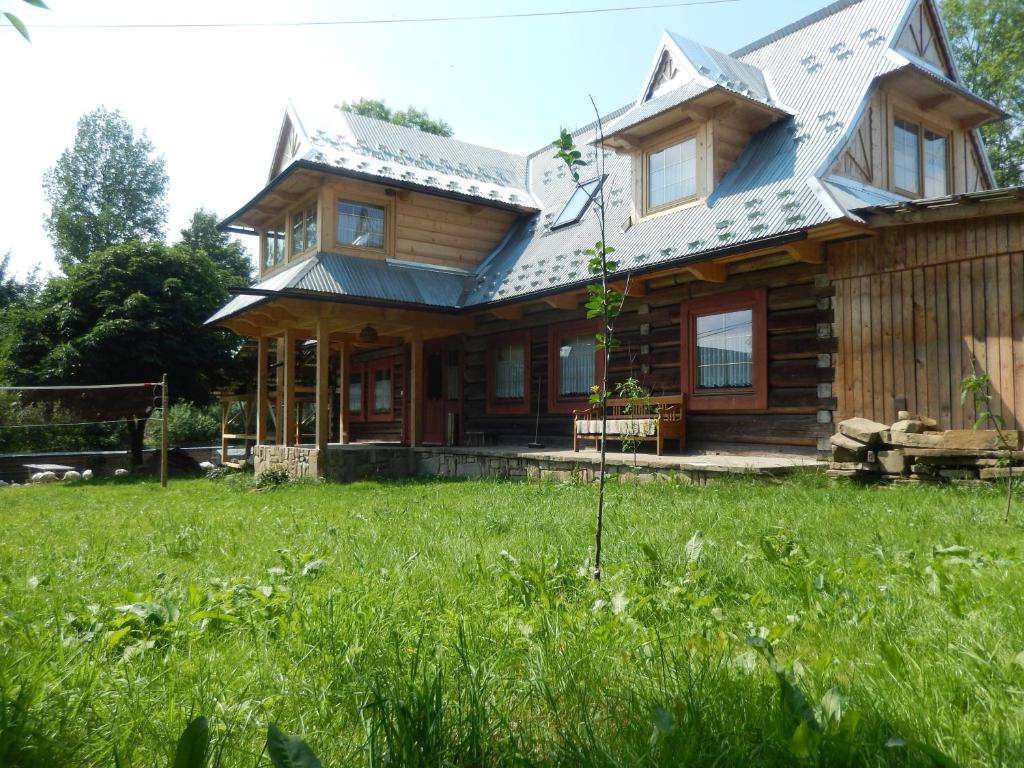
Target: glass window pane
[905,156]
[509,366]
[574,209]
[298,241]
[936,165]
[452,376]
[725,350]
[672,173]
[577,370]
[355,393]
[311,226]
[275,249]
[382,390]
[361,224]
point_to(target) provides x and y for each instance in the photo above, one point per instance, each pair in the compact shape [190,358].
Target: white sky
[212,100]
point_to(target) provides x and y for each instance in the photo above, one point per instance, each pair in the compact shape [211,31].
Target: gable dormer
[696,112]
[922,39]
[290,143]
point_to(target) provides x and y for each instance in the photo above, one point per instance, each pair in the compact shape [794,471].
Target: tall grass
[440,623]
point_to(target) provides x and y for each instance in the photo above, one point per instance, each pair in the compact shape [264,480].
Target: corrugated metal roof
[652,107]
[822,69]
[725,70]
[853,195]
[241,302]
[394,152]
[947,201]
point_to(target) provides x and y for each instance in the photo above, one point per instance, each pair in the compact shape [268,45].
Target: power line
[368,22]
[75,388]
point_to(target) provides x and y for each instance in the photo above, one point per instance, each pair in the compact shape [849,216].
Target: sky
[211,99]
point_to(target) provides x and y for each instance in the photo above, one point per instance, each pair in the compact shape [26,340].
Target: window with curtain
[355,393]
[311,226]
[725,350]
[672,173]
[509,367]
[920,160]
[360,224]
[382,390]
[274,249]
[577,370]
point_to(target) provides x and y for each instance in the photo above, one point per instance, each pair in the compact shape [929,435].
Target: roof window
[577,205]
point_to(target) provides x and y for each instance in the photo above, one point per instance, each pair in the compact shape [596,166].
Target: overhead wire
[367,22]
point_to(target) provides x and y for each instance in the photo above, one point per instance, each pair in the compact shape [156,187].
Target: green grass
[439,623]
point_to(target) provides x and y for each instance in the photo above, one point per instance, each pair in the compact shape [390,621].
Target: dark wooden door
[442,389]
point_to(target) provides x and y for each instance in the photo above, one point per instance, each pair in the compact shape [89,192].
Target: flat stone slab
[48,467]
[863,430]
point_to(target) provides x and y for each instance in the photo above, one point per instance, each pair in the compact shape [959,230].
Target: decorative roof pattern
[397,153]
[723,69]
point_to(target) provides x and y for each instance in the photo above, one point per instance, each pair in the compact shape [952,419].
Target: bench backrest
[619,406]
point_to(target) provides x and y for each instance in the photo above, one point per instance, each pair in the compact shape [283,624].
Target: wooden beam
[633,286]
[288,399]
[934,101]
[262,394]
[403,194]
[416,392]
[507,313]
[806,251]
[343,374]
[562,301]
[472,208]
[323,391]
[279,389]
[709,272]
[946,213]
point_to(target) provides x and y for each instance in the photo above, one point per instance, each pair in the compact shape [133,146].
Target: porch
[364,461]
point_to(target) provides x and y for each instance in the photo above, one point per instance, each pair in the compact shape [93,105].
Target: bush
[32,428]
[187,425]
[273,476]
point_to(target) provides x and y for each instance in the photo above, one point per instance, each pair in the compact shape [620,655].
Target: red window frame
[754,397]
[360,415]
[505,406]
[372,414]
[556,402]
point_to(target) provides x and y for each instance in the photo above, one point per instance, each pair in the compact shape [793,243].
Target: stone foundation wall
[301,463]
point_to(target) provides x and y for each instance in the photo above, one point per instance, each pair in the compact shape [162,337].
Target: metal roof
[396,153]
[947,201]
[725,70]
[821,68]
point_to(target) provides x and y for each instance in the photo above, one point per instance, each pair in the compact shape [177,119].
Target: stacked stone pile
[913,450]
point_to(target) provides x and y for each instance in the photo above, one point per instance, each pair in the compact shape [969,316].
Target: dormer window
[577,205]
[273,248]
[920,160]
[361,225]
[304,229]
[672,174]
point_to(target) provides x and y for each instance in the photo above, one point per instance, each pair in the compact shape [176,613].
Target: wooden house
[806,227]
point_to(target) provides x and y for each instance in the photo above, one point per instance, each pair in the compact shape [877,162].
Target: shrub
[272,476]
[33,427]
[188,424]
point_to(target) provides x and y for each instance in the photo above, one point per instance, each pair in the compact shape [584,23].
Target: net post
[163,431]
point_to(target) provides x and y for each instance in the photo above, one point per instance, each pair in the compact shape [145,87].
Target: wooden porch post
[288,396]
[323,388]
[262,395]
[279,390]
[343,374]
[416,392]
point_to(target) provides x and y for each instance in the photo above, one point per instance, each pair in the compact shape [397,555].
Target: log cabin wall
[916,304]
[799,351]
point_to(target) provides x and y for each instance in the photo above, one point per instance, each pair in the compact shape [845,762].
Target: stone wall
[301,463]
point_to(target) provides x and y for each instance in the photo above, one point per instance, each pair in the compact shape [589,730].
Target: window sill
[673,207]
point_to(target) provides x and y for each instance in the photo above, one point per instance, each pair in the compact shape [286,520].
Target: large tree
[988,42]
[108,188]
[229,255]
[127,314]
[410,117]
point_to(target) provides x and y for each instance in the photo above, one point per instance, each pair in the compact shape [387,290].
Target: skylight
[577,205]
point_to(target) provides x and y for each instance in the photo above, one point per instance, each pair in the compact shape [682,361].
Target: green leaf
[802,741]
[18,25]
[289,751]
[193,745]
[38,4]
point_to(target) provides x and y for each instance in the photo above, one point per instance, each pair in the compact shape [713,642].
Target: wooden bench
[664,417]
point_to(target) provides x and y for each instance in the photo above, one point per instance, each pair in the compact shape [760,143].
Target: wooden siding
[799,358]
[916,304]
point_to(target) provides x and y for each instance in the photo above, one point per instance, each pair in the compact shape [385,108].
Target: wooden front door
[442,390]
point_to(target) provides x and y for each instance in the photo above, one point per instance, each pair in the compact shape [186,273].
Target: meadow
[453,624]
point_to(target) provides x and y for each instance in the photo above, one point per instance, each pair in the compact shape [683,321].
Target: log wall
[799,350]
[916,304]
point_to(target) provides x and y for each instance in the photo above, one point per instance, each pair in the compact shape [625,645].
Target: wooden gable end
[664,74]
[289,146]
[921,39]
[974,166]
[858,159]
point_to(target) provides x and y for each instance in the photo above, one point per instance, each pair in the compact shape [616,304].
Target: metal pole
[163,432]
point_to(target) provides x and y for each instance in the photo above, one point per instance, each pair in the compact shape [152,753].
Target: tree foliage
[129,313]
[230,256]
[16,21]
[988,41]
[411,117]
[107,189]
